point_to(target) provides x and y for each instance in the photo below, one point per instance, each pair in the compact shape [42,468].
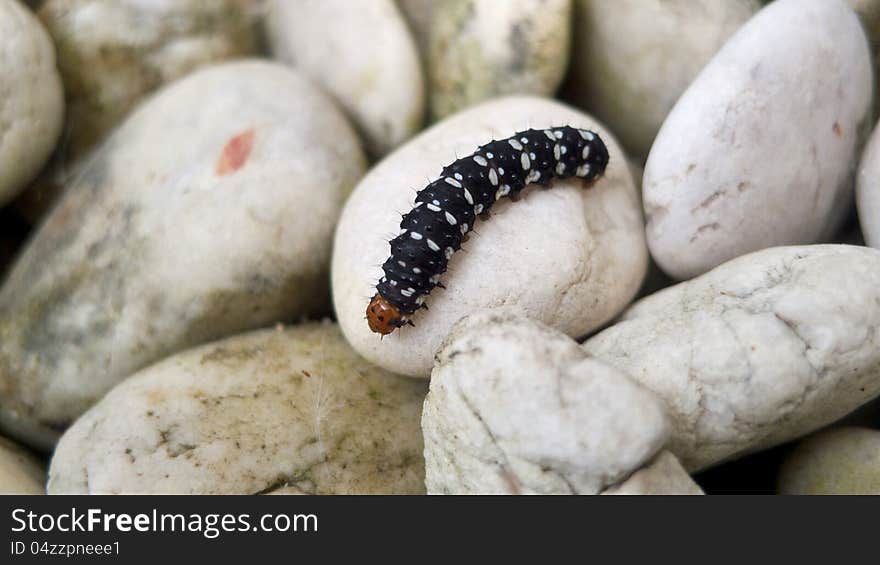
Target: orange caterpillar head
[382,317]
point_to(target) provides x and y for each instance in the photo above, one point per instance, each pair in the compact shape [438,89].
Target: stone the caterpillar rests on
[446,209]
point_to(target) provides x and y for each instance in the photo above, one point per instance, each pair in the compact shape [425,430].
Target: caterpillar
[446,209]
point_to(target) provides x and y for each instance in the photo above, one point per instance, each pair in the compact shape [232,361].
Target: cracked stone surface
[763,349]
[480,49]
[20,471]
[760,150]
[188,225]
[363,54]
[31,98]
[290,410]
[843,460]
[516,407]
[663,475]
[568,256]
[632,59]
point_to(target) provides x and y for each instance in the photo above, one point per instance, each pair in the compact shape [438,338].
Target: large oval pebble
[570,256]
[760,350]
[274,411]
[759,151]
[632,59]
[210,211]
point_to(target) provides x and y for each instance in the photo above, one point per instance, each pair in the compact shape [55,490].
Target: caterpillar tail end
[382,317]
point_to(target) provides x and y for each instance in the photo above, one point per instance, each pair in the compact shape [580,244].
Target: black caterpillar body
[446,209]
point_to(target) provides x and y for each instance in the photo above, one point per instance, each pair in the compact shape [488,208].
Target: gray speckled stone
[208,212]
[274,411]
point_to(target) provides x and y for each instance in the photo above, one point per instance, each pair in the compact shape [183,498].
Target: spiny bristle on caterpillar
[446,209]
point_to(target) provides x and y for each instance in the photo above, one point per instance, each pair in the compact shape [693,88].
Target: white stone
[760,149]
[842,460]
[480,49]
[363,54]
[208,212]
[517,408]
[20,471]
[113,54]
[569,256]
[761,350]
[632,59]
[286,410]
[31,98]
[664,475]
[868,191]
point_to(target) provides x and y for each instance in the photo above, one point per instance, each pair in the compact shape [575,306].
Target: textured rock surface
[760,350]
[287,410]
[479,49]
[517,408]
[363,54]
[568,256]
[112,53]
[209,212]
[760,149]
[31,98]
[835,461]
[632,59]
[20,472]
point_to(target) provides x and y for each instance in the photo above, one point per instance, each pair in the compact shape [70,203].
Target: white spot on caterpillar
[586,134]
[478,209]
[556,153]
[401,263]
[418,204]
[458,176]
[433,208]
[449,251]
[433,246]
[500,170]
[407,292]
[489,155]
[515,144]
[564,149]
[435,202]
[416,236]
[402,232]
[582,171]
[435,279]
[558,134]
[533,176]
[468,197]
[524,139]
[464,229]
[560,168]
[524,160]
[481,161]
[451,219]
[532,155]
[549,135]
[393,283]
[503,191]
[585,153]
[416,270]
[453,182]
[493,177]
